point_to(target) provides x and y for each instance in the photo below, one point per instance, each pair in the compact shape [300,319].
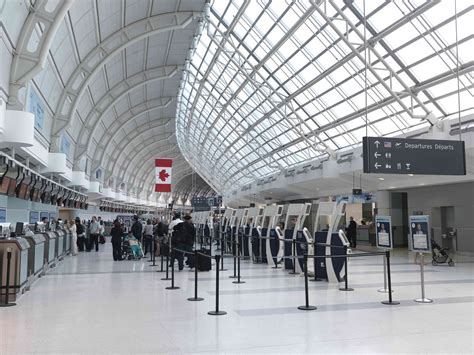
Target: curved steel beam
[119,149]
[120,123]
[103,52]
[114,95]
[26,64]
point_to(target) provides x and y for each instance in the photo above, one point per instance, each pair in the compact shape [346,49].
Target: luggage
[102,239]
[204,263]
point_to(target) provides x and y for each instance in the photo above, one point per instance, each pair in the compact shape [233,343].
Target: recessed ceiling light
[391,187]
[381,179]
[410,175]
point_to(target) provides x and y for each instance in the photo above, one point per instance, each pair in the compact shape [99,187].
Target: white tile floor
[91,304]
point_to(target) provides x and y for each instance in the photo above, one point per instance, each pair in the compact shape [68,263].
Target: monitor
[19,228]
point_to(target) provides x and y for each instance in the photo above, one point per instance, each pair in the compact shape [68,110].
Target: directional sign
[413,156]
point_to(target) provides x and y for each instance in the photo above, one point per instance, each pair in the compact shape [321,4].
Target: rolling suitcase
[204,263]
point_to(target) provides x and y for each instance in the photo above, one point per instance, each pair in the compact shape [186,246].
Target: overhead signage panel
[413,156]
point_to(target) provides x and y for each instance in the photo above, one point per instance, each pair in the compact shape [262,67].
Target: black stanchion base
[223,270]
[307,308]
[161,271]
[238,282]
[166,278]
[172,288]
[7,305]
[153,265]
[392,303]
[232,277]
[293,273]
[195,299]
[316,280]
[216,313]
[346,289]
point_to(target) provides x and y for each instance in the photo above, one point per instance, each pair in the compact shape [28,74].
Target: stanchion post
[172,287]
[390,302]
[234,251]
[346,276]
[423,299]
[295,260]
[196,263]
[307,306]
[7,285]
[384,289]
[238,281]
[168,262]
[161,262]
[217,312]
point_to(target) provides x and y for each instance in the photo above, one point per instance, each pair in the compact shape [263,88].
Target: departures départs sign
[413,156]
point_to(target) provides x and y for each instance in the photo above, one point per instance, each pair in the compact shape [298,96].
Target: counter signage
[3,215]
[384,232]
[44,215]
[413,156]
[420,233]
[34,217]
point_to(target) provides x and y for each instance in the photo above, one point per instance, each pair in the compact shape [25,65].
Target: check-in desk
[36,253]
[18,265]
[60,244]
[67,242]
[50,250]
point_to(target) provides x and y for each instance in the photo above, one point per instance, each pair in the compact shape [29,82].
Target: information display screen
[413,156]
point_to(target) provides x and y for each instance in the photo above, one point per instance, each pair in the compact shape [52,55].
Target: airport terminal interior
[236,176]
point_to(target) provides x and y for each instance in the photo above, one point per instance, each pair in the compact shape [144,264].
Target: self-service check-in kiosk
[250,230]
[330,241]
[18,265]
[226,229]
[274,244]
[243,233]
[256,243]
[60,244]
[301,239]
[36,253]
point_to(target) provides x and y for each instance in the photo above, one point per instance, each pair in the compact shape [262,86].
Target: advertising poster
[34,217]
[384,232]
[420,233]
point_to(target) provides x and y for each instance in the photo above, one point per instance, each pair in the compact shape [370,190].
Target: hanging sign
[163,175]
[384,232]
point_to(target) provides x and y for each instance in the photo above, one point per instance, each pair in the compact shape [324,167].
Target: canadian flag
[163,175]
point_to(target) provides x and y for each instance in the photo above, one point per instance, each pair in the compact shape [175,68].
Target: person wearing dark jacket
[81,234]
[351,231]
[137,229]
[183,238]
[117,234]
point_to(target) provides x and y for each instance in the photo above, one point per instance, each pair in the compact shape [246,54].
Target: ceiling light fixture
[381,179]
[410,175]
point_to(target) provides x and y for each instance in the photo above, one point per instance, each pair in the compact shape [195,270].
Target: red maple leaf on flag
[163,175]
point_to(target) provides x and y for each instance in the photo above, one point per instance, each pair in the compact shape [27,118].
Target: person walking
[73,230]
[351,231]
[94,232]
[81,234]
[117,234]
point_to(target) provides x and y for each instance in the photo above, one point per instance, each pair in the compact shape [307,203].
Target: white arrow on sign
[377,155]
[377,143]
[377,165]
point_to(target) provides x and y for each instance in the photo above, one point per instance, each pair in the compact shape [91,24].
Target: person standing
[81,234]
[148,236]
[351,231]
[117,234]
[94,231]
[73,231]
[137,228]
[183,238]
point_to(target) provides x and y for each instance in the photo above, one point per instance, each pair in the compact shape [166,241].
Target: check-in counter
[60,244]
[36,253]
[67,244]
[18,265]
[50,250]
